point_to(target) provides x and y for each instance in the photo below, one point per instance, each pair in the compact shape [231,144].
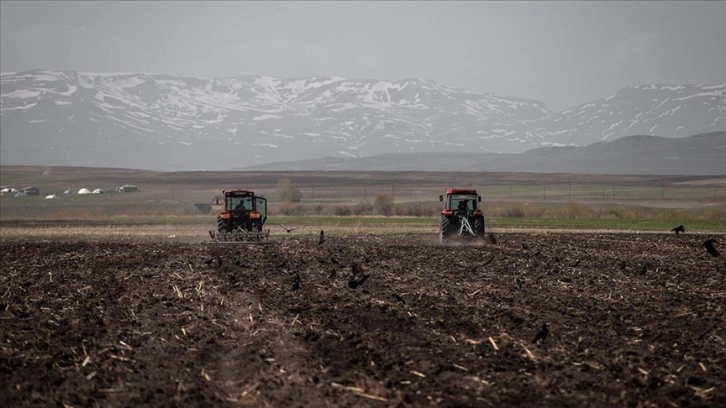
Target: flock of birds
[358,277]
[709,244]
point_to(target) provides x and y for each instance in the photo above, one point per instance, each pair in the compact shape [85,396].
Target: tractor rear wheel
[479,226]
[222,224]
[446,229]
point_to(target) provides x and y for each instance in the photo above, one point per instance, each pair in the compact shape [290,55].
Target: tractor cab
[243,203]
[236,202]
[461,202]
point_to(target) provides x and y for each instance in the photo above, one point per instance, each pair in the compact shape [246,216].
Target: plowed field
[634,320]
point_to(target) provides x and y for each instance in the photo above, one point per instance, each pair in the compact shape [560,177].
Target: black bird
[491,238]
[542,335]
[322,237]
[289,230]
[237,260]
[332,273]
[358,277]
[214,261]
[296,282]
[710,247]
[679,229]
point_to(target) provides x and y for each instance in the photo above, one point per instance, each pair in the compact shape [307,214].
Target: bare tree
[383,204]
[288,193]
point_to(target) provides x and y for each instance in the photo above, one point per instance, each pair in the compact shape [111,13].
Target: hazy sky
[562,53]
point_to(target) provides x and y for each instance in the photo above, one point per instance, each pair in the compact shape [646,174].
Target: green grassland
[350,199]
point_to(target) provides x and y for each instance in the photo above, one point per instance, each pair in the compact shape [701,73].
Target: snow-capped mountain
[161,122]
[654,110]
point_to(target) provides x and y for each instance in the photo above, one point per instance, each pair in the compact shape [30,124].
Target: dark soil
[634,320]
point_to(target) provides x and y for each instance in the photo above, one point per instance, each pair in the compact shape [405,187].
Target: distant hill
[162,122]
[703,154]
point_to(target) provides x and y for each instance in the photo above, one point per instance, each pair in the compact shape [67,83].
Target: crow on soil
[214,261]
[322,237]
[711,247]
[296,282]
[358,277]
[542,335]
[679,229]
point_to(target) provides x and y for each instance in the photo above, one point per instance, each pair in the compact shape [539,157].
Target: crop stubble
[635,320]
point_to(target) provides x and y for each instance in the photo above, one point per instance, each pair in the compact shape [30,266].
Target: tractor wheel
[479,226]
[222,225]
[446,229]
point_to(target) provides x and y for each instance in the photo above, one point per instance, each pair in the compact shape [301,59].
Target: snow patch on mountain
[22,94]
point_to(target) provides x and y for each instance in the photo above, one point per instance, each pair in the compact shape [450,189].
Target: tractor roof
[238,192]
[460,191]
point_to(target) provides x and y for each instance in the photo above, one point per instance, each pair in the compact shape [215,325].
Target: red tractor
[461,215]
[243,217]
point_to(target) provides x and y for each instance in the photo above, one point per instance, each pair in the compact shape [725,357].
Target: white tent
[84,191]
[51,197]
[97,191]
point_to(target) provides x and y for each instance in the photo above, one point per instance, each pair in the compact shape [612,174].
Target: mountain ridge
[697,155]
[165,122]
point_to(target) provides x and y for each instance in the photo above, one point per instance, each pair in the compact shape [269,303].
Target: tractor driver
[463,208]
[240,206]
